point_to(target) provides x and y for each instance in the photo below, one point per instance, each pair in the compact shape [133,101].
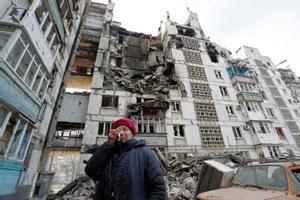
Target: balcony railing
[250,96]
[242,79]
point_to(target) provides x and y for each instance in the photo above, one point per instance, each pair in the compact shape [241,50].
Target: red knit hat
[125,122]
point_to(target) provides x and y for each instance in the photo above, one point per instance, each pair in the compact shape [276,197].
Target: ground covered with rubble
[181,178]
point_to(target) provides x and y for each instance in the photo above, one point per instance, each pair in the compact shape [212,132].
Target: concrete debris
[161,103]
[238,62]
[89,148]
[82,188]
[181,176]
[137,64]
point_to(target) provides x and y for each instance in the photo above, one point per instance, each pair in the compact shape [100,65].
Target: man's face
[125,133]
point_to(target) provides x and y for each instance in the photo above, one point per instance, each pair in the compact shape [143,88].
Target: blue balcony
[240,74]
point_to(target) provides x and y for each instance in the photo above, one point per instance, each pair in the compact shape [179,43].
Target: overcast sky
[272,26]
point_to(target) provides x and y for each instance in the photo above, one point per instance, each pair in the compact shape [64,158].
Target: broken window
[146,127]
[213,57]
[229,110]
[120,39]
[148,124]
[138,100]
[175,106]
[223,91]
[186,31]
[218,74]
[110,101]
[104,128]
[118,62]
[212,52]
[178,130]
[236,132]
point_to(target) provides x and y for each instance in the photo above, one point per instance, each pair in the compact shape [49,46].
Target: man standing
[125,167]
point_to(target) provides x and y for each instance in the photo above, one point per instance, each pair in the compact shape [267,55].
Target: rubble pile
[82,188]
[138,64]
[182,179]
[181,176]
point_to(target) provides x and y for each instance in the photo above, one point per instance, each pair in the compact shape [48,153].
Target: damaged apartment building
[36,41]
[186,95]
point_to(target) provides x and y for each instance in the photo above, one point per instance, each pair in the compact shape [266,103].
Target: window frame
[218,74]
[111,101]
[104,124]
[237,132]
[18,146]
[7,45]
[5,121]
[34,59]
[229,109]
[224,91]
[177,127]
[175,106]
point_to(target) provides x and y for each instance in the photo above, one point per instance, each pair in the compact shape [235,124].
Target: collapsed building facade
[186,95]
[36,41]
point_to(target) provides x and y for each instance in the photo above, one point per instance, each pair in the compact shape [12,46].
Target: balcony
[266,138]
[242,79]
[153,139]
[70,143]
[250,96]
[254,116]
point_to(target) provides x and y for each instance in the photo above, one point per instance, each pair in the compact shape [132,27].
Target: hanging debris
[137,64]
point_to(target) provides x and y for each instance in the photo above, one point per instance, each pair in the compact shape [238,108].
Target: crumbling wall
[138,64]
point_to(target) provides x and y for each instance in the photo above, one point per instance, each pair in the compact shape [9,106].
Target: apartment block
[36,41]
[185,94]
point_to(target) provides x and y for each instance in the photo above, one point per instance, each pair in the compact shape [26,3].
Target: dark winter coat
[126,172]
